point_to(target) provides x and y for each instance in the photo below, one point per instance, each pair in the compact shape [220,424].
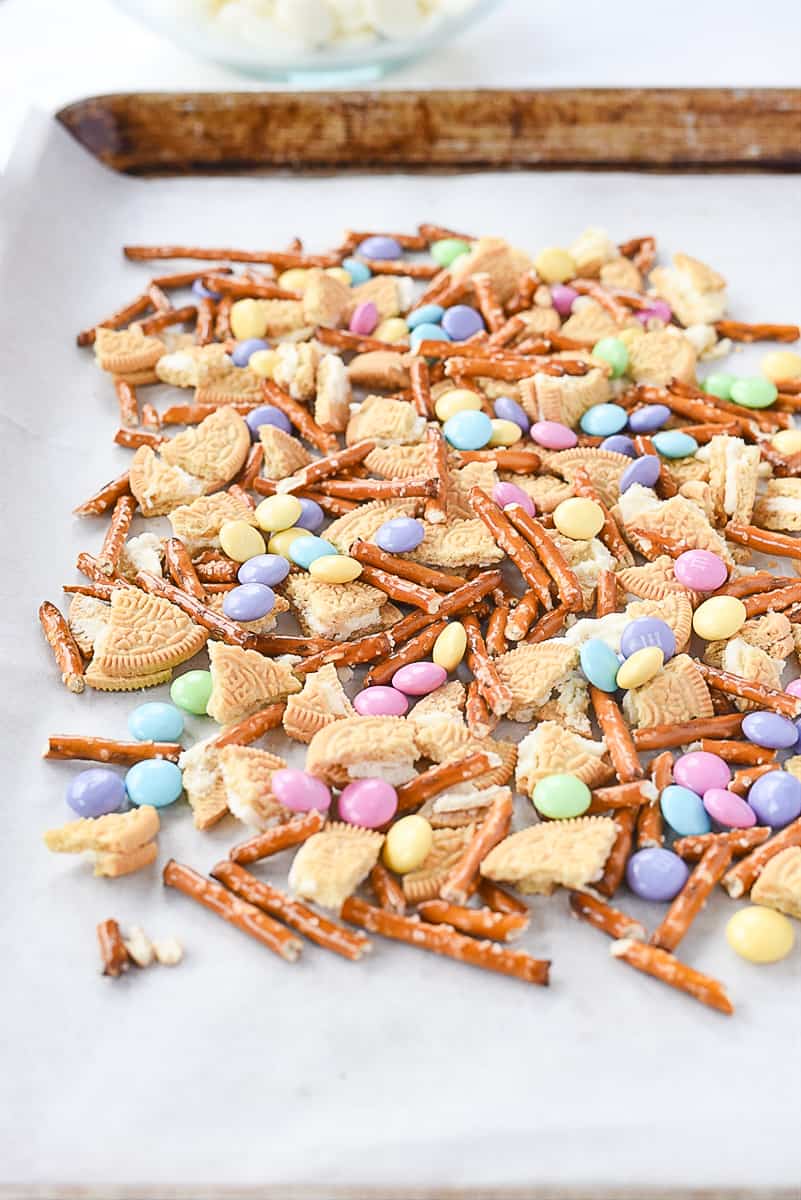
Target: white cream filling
[339,627]
[637,501]
[608,629]
[144,553]
[201,770]
[395,773]
[733,449]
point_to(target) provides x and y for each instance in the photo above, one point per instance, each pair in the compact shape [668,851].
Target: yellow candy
[296,279]
[640,666]
[394,329]
[248,319]
[504,433]
[760,935]
[448,650]
[335,568]
[263,363]
[781,364]
[241,541]
[578,518]
[555,265]
[787,441]
[339,273]
[719,617]
[407,844]
[280,542]
[278,512]
[455,401]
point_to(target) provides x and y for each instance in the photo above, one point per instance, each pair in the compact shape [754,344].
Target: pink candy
[699,771]
[727,808]
[364,319]
[369,803]
[510,493]
[794,688]
[562,298]
[700,570]
[299,791]
[658,309]
[553,435]
[419,678]
[381,702]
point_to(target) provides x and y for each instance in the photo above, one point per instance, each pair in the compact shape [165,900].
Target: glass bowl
[309,42]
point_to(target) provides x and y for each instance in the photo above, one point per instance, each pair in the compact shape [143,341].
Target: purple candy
[700,570]
[656,308]
[381,702]
[299,791]
[267,414]
[644,471]
[368,803]
[268,569]
[649,418]
[379,247]
[200,289]
[249,602]
[364,319]
[620,444]
[727,808]
[794,688]
[419,678]
[507,409]
[776,798]
[400,535]
[699,771]
[562,298]
[553,435]
[770,729]
[243,350]
[461,322]
[648,631]
[311,515]
[656,874]
[510,493]
[95,792]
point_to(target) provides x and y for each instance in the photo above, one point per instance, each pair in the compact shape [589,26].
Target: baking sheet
[405,1072]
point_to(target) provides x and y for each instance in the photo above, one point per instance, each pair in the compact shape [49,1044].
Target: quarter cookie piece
[244,681]
[126,351]
[780,506]
[198,524]
[247,777]
[695,292]
[321,701]
[331,864]
[568,853]
[779,884]
[386,422]
[203,783]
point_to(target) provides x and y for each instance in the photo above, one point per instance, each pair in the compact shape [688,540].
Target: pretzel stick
[497,694]
[107,750]
[105,497]
[625,819]
[650,830]
[193,414]
[606,918]
[479,922]
[498,899]
[237,912]
[218,624]
[622,749]
[511,370]
[180,567]
[250,729]
[621,795]
[343,339]
[245,289]
[436,233]
[114,540]
[739,841]
[117,319]
[666,485]
[742,780]
[412,651]
[606,594]
[100,591]
[739,752]
[360,650]
[279,837]
[460,599]
[487,301]
[206,314]
[126,398]
[440,778]
[742,331]
[512,543]
[421,389]
[222,323]
[323,468]
[388,892]
[402,589]
[499,619]
[667,737]
[740,879]
[300,417]
[88,565]
[370,555]
[213,568]
[736,685]
[64,647]
[507,332]
[163,320]
[407,241]
[436,510]
[298,916]
[610,533]
[774,601]
[329,504]
[548,625]
[443,939]
[763,540]
[551,557]
[480,721]
[239,492]
[182,279]
[692,897]
[521,461]
[274,644]
[749,585]
[661,965]
[283,261]
[642,252]
[113,955]
[456,886]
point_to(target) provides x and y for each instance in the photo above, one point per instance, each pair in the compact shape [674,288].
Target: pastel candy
[770,729]
[249,602]
[552,435]
[191,691]
[368,803]
[648,631]
[358,271]
[335,568]
[419,678]
[684,811]
[381,701]
[311,515]
[468,430]
[656,874]
[153,781]
[729,809]
[299,791]
[461,321]
[560,797]
[277,512]
[508,409]
[760,935]
[446,250]
[304,550]
[603,419]
[427,314]
[96,792]
[776,798]
[620,444]
[156,721]
[267,569]
[700,570]
[673,443]
[267,414]
[364,318]
[449,648]
[562,298]
[400,535]
[243,350]
[408,843]
[719,617]
[427,333]
[509,493]
[640,666]
[644,471]
[614,352]
[699,771]
[380,246]
[600,664]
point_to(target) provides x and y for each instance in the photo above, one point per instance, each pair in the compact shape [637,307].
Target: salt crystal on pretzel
[606,918]
[658,963]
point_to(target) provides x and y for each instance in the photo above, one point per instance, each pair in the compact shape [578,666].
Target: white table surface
[52,52]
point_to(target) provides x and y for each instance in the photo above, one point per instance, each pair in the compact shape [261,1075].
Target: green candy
[561,796]
[191,691]
[754,392]
[720,384]
[614,352]
[447,249]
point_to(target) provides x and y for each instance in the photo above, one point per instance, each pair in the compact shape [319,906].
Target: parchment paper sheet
[405,1071]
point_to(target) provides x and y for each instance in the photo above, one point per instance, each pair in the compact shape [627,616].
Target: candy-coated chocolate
[770,729]
[249,602]
[673,443]
[729,809]
[263,363]
[295,279]
[656,310]
[699,771]
[620,443]
[553,435]
[419,678]
[305,549]
[153,781]
[96,792]
[600,664]
[647,631]
[700,570]
[644,471]
[280,542]
[719,617]
[400,535]
[754,392]
[394,329]
[684,811]
[364,318]
[358,271]
[240,541]
[719,384]
[656,874]
[468,430]
[640,667]
[505,433]
[299,791]
[199,288]
[248,319]
[340,274]
[381,702]
[579,518]
[266,414]
[240,356]
[562,298]
[455,401]
[507,409]
[794,687]
[269,569]
[449,648]
[776,798]
[461,321]
[560,797]
[427,314]
[649,418]
[604,419]
[156,721]
[509,493]
[380,246]
[446,250]
[191,691]
[555,265]
[408,843]
[613,351]
[427,333]
[760,935]
[787,441]
[368,803]
[335,568]
[275,513]
[311,515]
[781,364]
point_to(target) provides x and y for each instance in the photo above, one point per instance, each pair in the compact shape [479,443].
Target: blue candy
[468,430]
[604,419]
[428,314]
[600,664]
[427,333]
[153,781]
[359,272]
[156,722]
[684,811]
[303,551]
[673,443]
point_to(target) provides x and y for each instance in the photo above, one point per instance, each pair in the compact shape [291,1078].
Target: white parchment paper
[406,1071]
